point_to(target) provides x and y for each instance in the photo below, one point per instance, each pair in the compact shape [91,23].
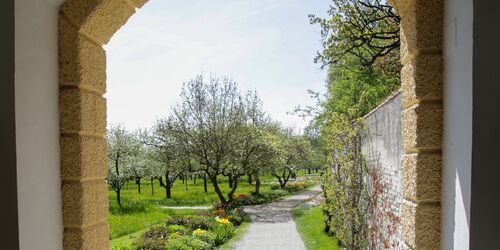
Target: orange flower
[218,212]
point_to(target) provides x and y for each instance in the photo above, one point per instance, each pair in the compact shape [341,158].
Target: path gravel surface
[272,226]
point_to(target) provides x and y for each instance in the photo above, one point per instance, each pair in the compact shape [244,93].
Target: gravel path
[186,207]
[272,226]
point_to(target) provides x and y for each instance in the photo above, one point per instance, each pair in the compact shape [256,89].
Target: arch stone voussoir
[84,26]
[99,19]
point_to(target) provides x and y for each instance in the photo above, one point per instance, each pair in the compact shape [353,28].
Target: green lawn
[194,195]
[310,224]
[139,211]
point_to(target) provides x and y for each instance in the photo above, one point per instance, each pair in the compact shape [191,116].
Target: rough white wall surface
[382,149]
[37,124]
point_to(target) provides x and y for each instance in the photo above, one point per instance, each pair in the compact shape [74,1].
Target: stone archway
[86,25]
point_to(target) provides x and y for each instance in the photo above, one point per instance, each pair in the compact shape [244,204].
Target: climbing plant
[347,200]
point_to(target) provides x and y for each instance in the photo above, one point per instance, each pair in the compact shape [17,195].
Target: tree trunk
[217,189]
[205,188]
[138,182]
[282,182]
[168,190]
[118,197]
[186,184]
[257,184]
[230,195]
[230,180]
[194,181]
[152,187]
[249,179]
[308,170]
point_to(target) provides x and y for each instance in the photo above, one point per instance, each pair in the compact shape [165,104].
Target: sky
[267,46]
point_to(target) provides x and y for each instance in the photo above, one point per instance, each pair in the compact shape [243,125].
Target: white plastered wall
[457,137]
[37,124]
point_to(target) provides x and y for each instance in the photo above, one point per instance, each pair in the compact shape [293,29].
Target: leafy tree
[122,149]
[366,29]
[206,124]
[295,153]
[357,88]
[140,166]
[168,161]
[252,153]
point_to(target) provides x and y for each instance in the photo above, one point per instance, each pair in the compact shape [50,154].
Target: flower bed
[186,233]
[213,228]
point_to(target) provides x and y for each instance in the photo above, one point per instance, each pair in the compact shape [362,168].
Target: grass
[124,224]
[139,211]
[311,231]
[124,242]
[193,196]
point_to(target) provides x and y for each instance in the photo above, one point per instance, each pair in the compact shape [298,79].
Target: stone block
[84,203]
[82,63]
[83,157]
[422,78]
[93,238]
[100,115]
[139,3]
[421,225]
[99,19]
[422,127]
[82,111]
[423,26]
[401,6]
[422,177]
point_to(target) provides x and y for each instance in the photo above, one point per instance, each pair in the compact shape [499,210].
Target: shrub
[207,237]
[149,244]
[158,232]
[191,222]
[275,186]
[186,243]
[178,229]
[222,233]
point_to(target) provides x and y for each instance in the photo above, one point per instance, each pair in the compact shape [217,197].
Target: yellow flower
[222,221]
[199,231]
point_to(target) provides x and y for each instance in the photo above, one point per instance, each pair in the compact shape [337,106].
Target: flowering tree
[206,125]
[167,160]
[295,152]
[122,150]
